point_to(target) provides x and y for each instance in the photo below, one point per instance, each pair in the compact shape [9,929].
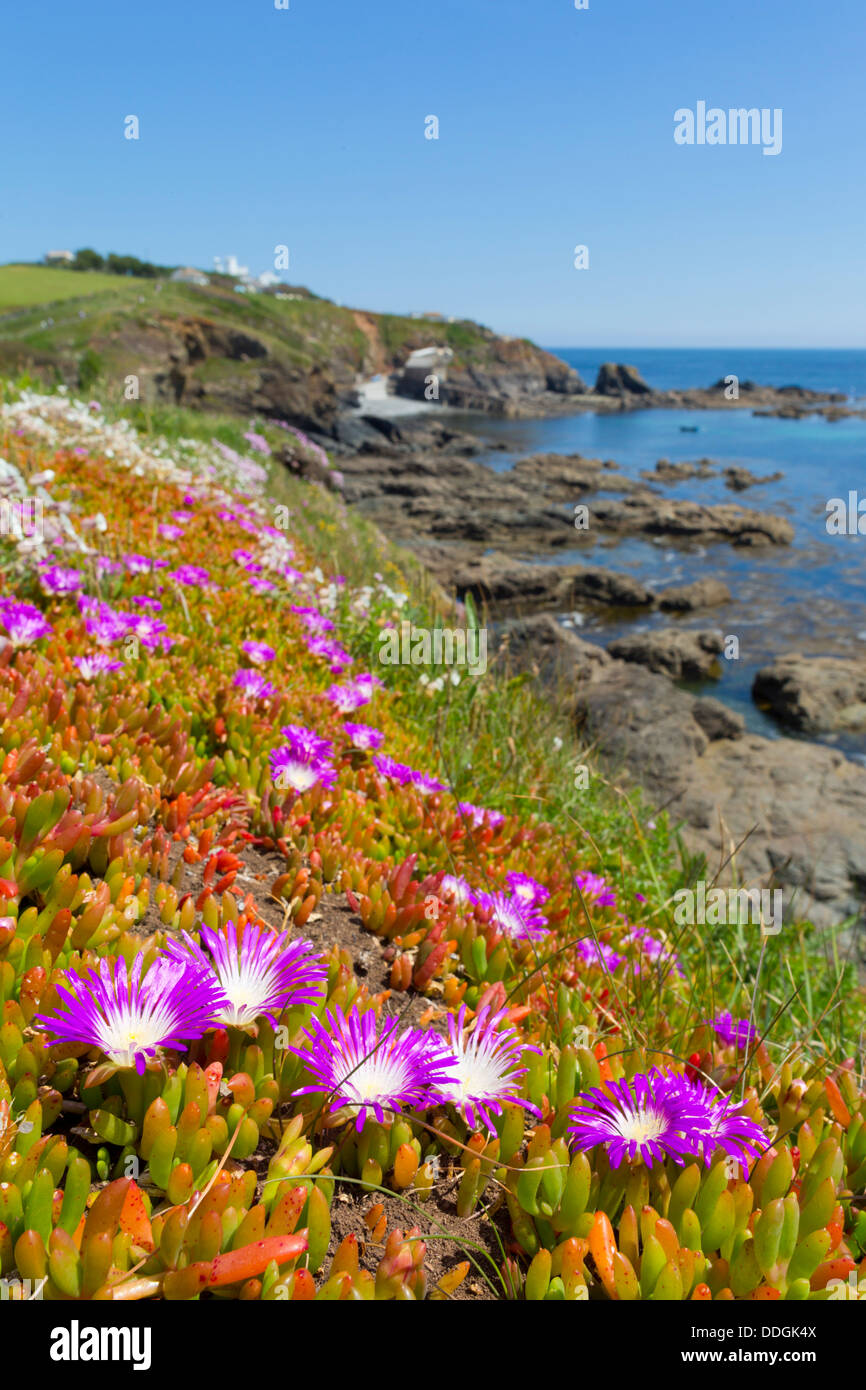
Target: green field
[24,285]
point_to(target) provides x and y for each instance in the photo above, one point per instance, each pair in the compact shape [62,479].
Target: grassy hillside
[286,356]
[24,285]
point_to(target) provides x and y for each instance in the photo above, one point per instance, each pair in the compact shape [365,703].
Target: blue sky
[305,127]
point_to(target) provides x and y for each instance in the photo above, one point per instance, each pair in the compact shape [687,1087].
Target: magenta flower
[723,1124]
[169,532]
[353,695]
[247,561]
[128,1017]
[254,685]
[150,632]
[24,623]
[152,605]
[95,664]
[528,888]
[643,1116]
[514,917]
[660,952]
[457,890]
[56,580]
[313,620]
[735,1033]
[486,1062]
[596,953]
[336,656]
[258,442]
[364,736]
[258,976]
[138,564]
[406,776]
[362,1067]
[479,815]
[192,576]
[305,760]
[595,889]
[660,1114]
[106,566]
[258,652]
[105,626]
[262,586]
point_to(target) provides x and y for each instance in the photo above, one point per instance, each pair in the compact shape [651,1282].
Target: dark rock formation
[814,694]
[681,653]
[685,598]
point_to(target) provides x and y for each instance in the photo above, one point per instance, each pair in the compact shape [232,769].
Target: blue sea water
[828,369]
[807,597]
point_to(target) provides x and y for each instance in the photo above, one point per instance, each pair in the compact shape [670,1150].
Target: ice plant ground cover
[312,971]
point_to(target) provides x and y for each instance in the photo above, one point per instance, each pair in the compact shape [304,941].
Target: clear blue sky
[306,127]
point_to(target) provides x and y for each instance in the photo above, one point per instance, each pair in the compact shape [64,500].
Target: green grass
[22,286]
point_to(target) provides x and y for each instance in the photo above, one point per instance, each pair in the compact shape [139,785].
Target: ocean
[807,597]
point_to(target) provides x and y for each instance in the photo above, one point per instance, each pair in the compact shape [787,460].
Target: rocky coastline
[780,812]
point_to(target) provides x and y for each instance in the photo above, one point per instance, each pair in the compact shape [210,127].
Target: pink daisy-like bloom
[182,517]
[406,776]
[24,623]
[723,1124]
[336,656]
[150,632]
[641,1117]
[738,1033]
[595,889]
[169,532]
[349,697]
[514,917]
[258,442]
[258,652]
[457,890]
[192,576]
[662,1114]
[363,1067]
[129,1017]
[528,888]
[657,952]
[253,684]
[152,605]
[56,580]
[303,761]
[259,974]
[486,1062]
[106,566]
[479,815]
[313,620]
[262,586]
[96,664]
[138,564]
[246,560]
[596,953]
[105,625]
[364,736]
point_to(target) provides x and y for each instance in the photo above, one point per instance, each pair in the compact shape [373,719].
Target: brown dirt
[446,1235]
